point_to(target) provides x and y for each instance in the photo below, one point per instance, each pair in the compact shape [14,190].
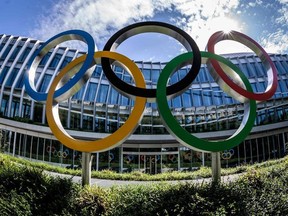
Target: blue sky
[266,21]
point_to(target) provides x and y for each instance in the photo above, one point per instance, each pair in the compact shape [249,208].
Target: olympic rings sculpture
[56,153]
[111,156]
[75,74]
[128,159]
[226,155]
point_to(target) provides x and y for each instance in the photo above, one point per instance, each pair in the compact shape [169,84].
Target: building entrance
[151,163]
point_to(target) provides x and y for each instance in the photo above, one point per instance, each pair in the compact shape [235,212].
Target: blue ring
[78,35]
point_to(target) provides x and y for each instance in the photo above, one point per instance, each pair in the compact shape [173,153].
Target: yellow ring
[118,136]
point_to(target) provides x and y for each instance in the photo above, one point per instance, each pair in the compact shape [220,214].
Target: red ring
[261,53]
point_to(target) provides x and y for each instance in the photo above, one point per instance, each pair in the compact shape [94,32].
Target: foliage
[2,141]
[34,189]
[203,172]
[27,190]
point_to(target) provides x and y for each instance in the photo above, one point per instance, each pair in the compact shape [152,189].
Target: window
[12,77]
[182,73]
[207,97]
[124,101]
[113,99]
[24,54]
[202,75]
[210,78]
[155,75]
[78,95]
[285,65]
[91,92]
[246,70]
[187,102]
[228,99]
[66,60]
[173,78]
[102,94]
[55,60]
[217,96]
[147,74]
[197,98]
[97,71]
[254,87]
[45,82]
[45,59]
[279,67]
[20,82]
[253,69]
[15,53]
[3,74]
[261,86]
[177,102]
[7,50]
[1,46]
[282,87]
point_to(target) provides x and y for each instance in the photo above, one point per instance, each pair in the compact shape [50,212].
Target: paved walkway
[110,183]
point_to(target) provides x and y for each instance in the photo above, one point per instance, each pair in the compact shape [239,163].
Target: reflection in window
[217,96]
[197,98]
[207,97]
[1,46]
[91,92]
[3,74]
[15,53]
[228,99]
[182,73]
[202,75]
[155,75]
[24,54]
[187,102]
[66,60]
[245,70]
[97,71]
[102,94]
[254,87]
[124,101]
[262,69]
[174,78]
[12,77]
[45,82]
[279,67]
[285,65]
[147,74]
[45,59]
[177,102]
[7,50]
[55,60]
[113,99]
[21,79]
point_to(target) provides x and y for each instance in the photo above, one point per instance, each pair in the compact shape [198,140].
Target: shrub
[41,194]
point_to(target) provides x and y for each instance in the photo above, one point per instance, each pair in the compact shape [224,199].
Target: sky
[266,21]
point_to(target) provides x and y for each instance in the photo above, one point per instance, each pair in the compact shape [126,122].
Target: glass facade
[97,107]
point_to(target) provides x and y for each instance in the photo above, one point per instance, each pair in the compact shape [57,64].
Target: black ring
[158,27]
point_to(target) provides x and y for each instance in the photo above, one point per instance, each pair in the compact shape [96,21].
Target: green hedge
[28,191]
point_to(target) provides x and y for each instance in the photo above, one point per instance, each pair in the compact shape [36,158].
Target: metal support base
[216,167]
[86,168]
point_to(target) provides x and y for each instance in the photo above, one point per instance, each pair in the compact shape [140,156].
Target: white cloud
[96,17]
[283,18]
[276,42]
[213,16]
[101,18]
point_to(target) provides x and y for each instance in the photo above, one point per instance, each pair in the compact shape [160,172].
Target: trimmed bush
[28,191]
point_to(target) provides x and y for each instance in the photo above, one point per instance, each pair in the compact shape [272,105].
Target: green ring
[180,133]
